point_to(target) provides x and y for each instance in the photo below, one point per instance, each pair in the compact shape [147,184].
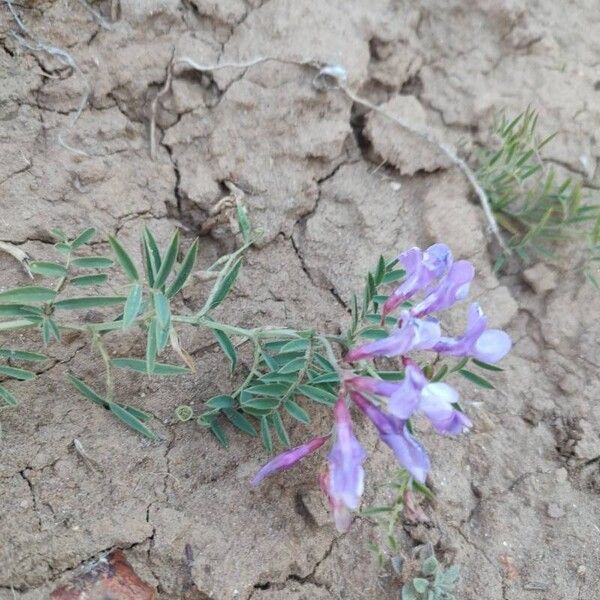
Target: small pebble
[561,474]
[541,278]
[555,512]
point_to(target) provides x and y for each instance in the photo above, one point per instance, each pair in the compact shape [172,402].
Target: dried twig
[448,151]
[19,254]
[91,463]
[97,16]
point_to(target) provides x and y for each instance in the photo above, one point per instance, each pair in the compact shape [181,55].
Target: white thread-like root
[97,16]
[449,152]
[37,45]
[334,77]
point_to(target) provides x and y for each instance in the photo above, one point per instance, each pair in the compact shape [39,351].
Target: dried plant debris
[108,578]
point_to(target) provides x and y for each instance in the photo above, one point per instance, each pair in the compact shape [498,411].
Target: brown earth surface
[517,500]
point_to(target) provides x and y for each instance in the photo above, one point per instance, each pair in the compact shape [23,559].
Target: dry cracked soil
[332,186]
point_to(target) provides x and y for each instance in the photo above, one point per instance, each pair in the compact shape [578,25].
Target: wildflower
[342,515]
[421,269]
[437,403]
[346,476]
[394,432]
[487,345]
[412,334]
[415,393]
[454,287]
[287,459]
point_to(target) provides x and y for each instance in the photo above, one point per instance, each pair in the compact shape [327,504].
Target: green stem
[63,280]
[97,341]
[252,372]
[301,373]
[329,353]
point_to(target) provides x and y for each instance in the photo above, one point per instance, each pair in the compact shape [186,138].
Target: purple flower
[487,345]
[412,334]
[437,403]
[415,393]
[287,459]
[421,269]
[394,432]
[345,460]
[454,287]
[342,515]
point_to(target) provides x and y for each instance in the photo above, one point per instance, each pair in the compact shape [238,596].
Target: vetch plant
[289,368]
[145,305]
[389,400]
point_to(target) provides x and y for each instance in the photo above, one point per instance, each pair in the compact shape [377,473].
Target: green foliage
[437,583]
[529,201]
[283,376]
[286,371]
[146,304]
[8,371]
[387,517]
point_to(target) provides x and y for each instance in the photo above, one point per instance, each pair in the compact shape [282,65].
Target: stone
[541,278]
[399,147]
[554,511]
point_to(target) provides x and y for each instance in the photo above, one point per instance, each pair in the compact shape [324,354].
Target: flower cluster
[440,282]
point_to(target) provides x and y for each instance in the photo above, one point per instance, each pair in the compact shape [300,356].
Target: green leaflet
[84,237]
[22,355]
[293,366]
[132,305]
[27,294]
[296,411]
[7,396]
[263,404]
[86,391]
[239,420]
[168,262]
[124,259]
[132,421]
[140,366]
[222,401]
[279,427]
[265,434]
[92,262]
[89,280]
[218,432]
[227,347]
[89,302]
[275,390]
[224,284]
[476,379]
[185,270]
[15,373]
[317,394]
[48,269]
